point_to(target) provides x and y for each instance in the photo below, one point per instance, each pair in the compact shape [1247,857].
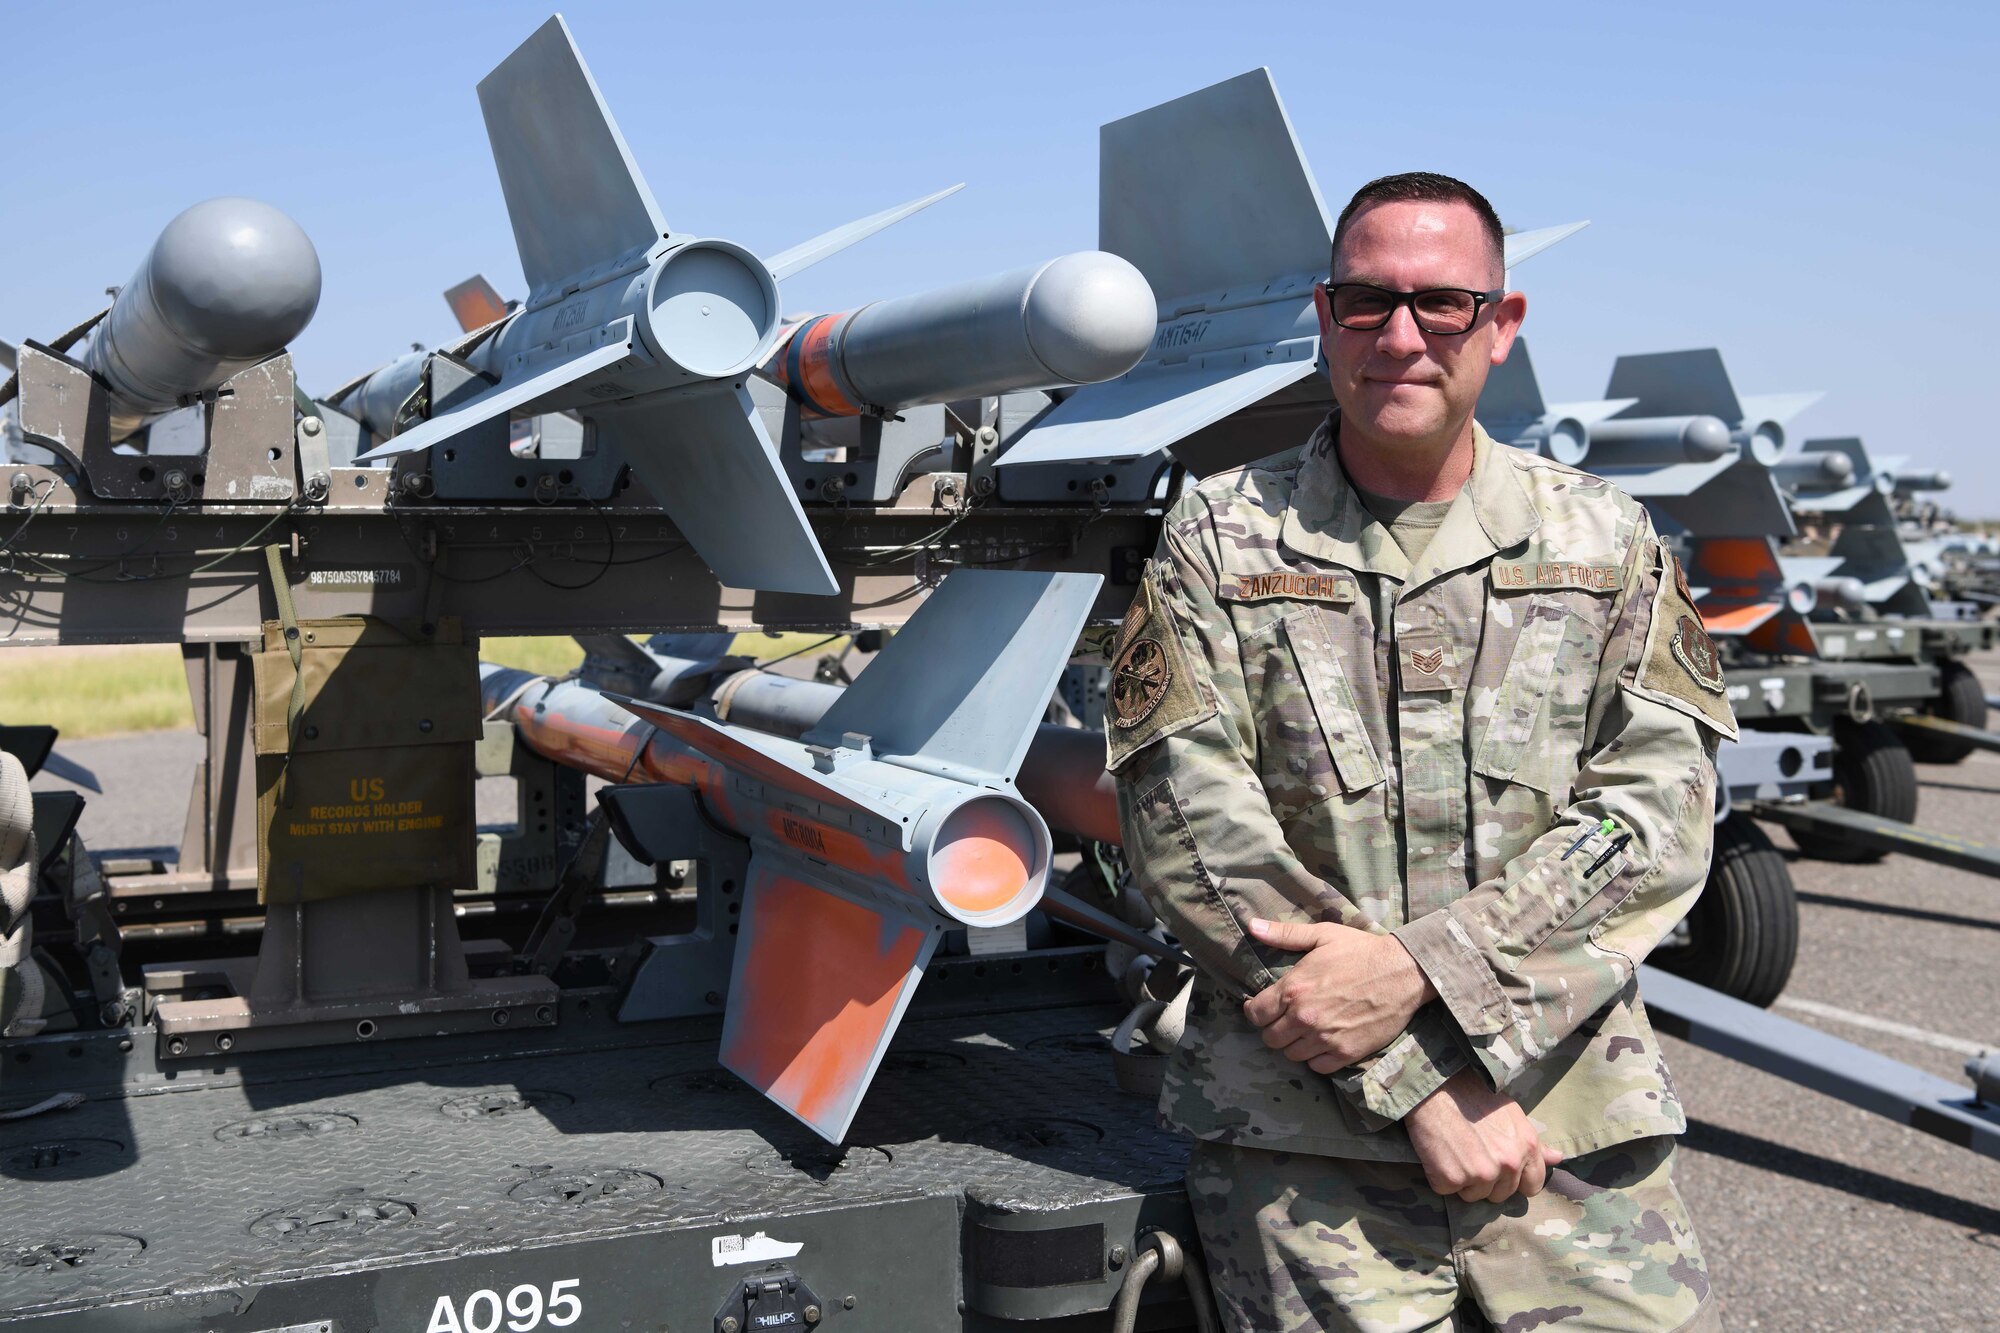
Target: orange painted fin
[475,303]
[1737,620]
[818,987]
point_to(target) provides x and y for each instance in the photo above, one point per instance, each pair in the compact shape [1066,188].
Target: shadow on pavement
[1890,909]
[1871,1185]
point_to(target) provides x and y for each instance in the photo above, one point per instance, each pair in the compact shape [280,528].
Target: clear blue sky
[1811,187]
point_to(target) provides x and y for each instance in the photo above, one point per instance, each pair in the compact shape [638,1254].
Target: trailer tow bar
[1924,723]
[1823,1063]
[1872,831]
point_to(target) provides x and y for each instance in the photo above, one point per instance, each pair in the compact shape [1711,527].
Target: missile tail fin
[704,454]
[6,355]
[1522,246]
[574,194]
[507,396]
[960,690]
[1243,207]
[475,304]
[1512,399]
[817,988]
[1137,415]
[804,255]
[1672,384]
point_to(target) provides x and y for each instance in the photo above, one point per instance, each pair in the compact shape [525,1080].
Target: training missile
[1080,319]
[1210,197]
[1909,483]
[1513,411]
[1657,441]
[229,283]
[648,332]
[1814,471]
[893,818]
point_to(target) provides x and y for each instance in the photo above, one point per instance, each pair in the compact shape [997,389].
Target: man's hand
[1347,998]
[1478,1144]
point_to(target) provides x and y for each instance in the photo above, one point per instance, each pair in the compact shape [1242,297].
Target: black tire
[1872,773]
[1743,933]
[1961,699]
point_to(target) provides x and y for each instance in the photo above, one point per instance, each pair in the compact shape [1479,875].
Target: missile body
[375,401]
[1828,470]
[1659,441]
[229,283]
[893,818]
[1080,319]
[1908,483]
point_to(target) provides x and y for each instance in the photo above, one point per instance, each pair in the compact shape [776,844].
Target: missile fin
[574,194]
[507,396]
[960,690]
[1724,497]
[475,303]
[1778,407]
[706,458]
[1522,246]
[6,355]
[1512,401]
[804,255]
[1211,191]
[1138,415]
[58,766]
[1673,384]
[816,990]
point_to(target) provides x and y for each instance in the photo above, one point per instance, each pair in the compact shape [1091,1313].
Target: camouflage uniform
[1305,728]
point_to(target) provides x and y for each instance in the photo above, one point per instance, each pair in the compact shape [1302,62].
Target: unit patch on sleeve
[1682,667]
[1153,690]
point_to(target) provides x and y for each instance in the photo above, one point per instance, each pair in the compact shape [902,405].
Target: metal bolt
[424,724]
[417,483]
[318,487]
[544,1014]
[225,1042]
[812,1314]
[847,1302]
[832,488]
[177,1046]
[502,1017]
[311,425]
[983,484]
[1117,1256]
[712,997]
[729,1324]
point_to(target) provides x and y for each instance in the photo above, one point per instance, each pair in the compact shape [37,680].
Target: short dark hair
[1421,187]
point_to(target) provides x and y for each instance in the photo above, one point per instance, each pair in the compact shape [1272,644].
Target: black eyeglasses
[1442,310]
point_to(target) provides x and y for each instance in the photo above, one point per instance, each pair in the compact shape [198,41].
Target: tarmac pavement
[1815,1216]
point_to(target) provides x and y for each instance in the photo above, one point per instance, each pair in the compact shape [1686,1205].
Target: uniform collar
[1327,520]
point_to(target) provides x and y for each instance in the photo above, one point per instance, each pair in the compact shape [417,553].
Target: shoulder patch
[1153,691]
[1682,668]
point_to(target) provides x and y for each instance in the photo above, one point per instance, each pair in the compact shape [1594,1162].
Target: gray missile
[1641,441]
[1814,471]
[228,284]
[1081,319]
[1908,483]
[376,398]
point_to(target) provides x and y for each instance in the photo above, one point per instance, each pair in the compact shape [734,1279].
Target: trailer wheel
[1872,773]
[1742,935]
[1961,699]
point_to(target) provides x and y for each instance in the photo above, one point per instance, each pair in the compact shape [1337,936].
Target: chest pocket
[1538,716]
[1328,745]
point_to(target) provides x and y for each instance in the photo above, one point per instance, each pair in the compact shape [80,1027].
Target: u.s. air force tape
[1538,575]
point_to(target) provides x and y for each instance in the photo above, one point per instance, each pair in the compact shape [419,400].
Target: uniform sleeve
[1523,960]
[1199,834]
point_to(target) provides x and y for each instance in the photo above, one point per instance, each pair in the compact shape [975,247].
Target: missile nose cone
[1706,437]
[1837,467]
[235,277]
[1090,316]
